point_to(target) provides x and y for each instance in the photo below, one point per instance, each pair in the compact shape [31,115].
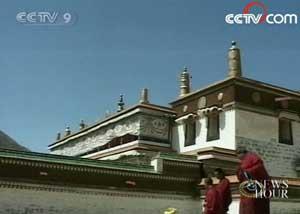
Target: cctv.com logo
[265,17]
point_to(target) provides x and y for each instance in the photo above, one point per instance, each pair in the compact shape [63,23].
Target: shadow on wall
[297,165]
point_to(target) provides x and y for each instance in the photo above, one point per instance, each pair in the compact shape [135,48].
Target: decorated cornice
[208,89]
[63,163]
[147,108]
[239,81]
[36,159]
[141,124]
[183,119]
[210,110]
[94,191]
[176,156]
[268,87]
[194,164]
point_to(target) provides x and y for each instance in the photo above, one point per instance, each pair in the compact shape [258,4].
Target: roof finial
[184,82]
[82,124]
[233,44]
[121,103]
[144,96]
[58,136]
[67,131]
[185,69]
[234,61]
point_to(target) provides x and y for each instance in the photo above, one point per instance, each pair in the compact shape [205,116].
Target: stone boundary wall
[21,198]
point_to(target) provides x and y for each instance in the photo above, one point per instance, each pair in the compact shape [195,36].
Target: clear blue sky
[53,76]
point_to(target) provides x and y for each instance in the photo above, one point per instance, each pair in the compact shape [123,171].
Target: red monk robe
[212,199]
[253,165]
[224,191]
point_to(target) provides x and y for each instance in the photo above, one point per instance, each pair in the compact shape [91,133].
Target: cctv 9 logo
[45,18]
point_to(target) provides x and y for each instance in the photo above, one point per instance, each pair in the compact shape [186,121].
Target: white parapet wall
[226,140]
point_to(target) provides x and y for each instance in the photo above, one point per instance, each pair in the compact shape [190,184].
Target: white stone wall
[227,134]
[259,133]
[82,201]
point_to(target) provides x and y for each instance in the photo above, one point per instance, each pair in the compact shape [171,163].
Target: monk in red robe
[223,189]
[252,167]
[212,198]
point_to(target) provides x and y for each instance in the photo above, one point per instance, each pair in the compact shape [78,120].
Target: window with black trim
[285,131]
[190,133]
[213,123]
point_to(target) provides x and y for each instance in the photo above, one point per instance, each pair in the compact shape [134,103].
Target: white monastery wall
[256,131]
[227,134]
[57,200]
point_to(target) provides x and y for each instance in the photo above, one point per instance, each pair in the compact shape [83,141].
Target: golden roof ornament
[67,131]
[82,124]
[121,103]
[144,96]
[234,61]
[184,82]
[58,136]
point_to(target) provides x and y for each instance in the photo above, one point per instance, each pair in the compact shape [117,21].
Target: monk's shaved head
[208,181]
[219,173]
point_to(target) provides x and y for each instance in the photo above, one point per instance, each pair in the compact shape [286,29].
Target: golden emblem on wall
[202,102]
[171,211]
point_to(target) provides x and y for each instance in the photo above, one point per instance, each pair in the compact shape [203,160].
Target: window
[285,131]
[213,132]
[190,133]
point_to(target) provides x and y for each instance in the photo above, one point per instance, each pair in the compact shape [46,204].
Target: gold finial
[58,136]
[144,96]
[184,82]
[121,103]
[67,131]
[234,61]
[82,124]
